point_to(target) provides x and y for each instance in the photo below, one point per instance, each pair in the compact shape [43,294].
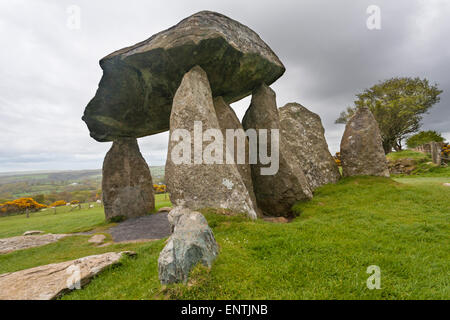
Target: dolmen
[183,80]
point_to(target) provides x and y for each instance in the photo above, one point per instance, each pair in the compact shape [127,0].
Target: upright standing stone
[305,137]
[275,194]
[228,120]
[127,183]
[436,153]
[362,150]
[198,178]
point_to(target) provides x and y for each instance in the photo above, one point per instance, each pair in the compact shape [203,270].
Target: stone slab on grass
[8,245]
[50,281]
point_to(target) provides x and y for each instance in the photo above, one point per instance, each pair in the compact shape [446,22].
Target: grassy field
[29,184]
[409,154]
[323,254]
[64,221]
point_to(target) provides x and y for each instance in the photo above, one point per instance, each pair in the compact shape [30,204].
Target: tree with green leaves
[424,137]
[398,105]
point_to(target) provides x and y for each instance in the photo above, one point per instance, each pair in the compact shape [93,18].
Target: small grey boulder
[191,243]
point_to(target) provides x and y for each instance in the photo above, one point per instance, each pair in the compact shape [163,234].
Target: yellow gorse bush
[20,205]
[337,158]
[58,203]
[446,150]
[159,188]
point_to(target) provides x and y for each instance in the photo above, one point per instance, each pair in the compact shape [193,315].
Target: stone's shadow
[150,227]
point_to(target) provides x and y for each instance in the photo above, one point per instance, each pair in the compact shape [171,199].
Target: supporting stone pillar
[196,175]
[275,193]
[127,183]
[228,120]
[305,136]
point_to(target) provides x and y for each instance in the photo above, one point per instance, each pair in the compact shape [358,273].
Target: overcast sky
[49,71]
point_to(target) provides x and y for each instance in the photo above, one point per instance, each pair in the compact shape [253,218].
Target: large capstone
[305,137]
[191,243]
[127,183]
[196,174]
[135,94]
[236,141]
[362,150]
[275,193]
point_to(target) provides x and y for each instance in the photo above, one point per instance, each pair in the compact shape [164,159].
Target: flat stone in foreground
[50,281]
[32,232]
[97,239]
[24,242]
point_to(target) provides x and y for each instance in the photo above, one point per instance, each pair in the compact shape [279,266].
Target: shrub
[20,206]
[159,188]
[337,158]
[446,150]
[424,137]
[58,203]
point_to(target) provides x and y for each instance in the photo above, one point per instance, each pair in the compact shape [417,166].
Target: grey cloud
[49,72]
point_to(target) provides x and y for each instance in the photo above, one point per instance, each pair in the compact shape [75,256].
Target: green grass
[63,221]
[430,170]
[323,254]
[423,180]
[409,154]
[162,200]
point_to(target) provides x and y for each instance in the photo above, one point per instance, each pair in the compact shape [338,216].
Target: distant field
[28,184]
